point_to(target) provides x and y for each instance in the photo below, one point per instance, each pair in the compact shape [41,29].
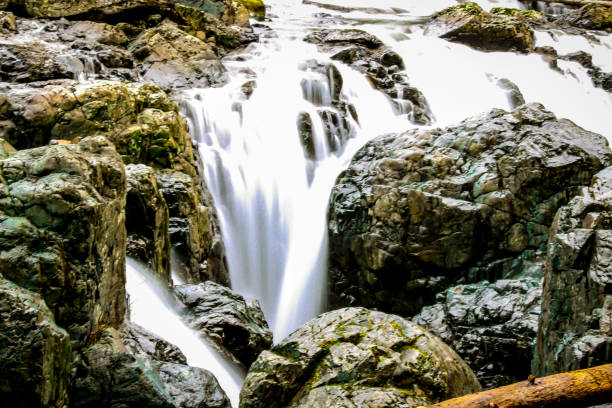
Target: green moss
[256,7]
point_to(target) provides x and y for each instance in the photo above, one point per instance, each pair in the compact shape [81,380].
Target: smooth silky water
[272,200]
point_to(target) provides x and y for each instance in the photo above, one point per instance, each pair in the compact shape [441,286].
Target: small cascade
[152,307]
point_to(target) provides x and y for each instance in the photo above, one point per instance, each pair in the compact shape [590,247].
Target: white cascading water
[272,200]
[151,308]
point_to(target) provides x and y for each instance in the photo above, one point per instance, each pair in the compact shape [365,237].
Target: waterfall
[151,307]
[271,196]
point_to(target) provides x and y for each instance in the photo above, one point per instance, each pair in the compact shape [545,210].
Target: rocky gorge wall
[493,234]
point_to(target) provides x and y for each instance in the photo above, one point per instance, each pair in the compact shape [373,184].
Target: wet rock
[171,58]
[256,8]
[382,66]
[492,326]
[32,61]
[600,79]
[574,328]
[500,30]
[304,125]
[356,357]
[62,231]
[147,221]
[192,231]
[236,325]
[419,212]
[139,341]
[515,96]
[100,32]
[7,21]
[590,16]
[110,375]
[35,353]
[115,58]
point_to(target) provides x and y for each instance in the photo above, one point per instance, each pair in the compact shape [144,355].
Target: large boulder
[492,326]
[147,221]
[62,231]
[35,353]
[591,16]
[223,316]
[111,375]
[172,58]
[139,341]
[500,30]
[575,325]
[419,212]
[356,357]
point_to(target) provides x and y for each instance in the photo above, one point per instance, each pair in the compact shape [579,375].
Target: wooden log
[581,388]
[578,3]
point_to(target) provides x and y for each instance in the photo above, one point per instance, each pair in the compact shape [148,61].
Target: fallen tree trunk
[577,2]
[575,389]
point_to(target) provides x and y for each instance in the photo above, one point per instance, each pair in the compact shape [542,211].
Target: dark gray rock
[575,328]
[35,353]
[110,376]
[147,221]
[62,231]
[492,326]
[222,315]
[193,233]
[356,357]
[139,341]
[590,16]
[422,211]
[382,66]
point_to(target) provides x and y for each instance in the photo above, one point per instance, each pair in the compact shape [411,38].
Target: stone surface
[139,341]
[381,66]
[62,231]
[35,353]
[200,254]
[575,329]
[110,376]
[236,325]
[499,30]
[590,16]
[147,221]
[419,212]
[356,357]
[171,58]
[492,326]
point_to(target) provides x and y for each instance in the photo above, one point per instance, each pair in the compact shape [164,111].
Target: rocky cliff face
[63,231]
[574,328]
[440,210]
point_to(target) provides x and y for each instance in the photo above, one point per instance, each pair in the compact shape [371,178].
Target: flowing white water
[151,309]
[272,200]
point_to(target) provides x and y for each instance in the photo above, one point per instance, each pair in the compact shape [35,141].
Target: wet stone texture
[356,357]
[574,328]
[62,231]
[237,326]
[451,212]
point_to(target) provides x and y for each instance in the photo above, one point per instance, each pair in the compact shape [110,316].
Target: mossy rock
[256,8]
[356,357]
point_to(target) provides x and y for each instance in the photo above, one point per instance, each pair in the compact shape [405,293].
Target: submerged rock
[110,375]
[222,315]
[492,326]
[62,231]
[35,353]
[147,221]
[356,357]
[422,211]
[574,328]
[500,30]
